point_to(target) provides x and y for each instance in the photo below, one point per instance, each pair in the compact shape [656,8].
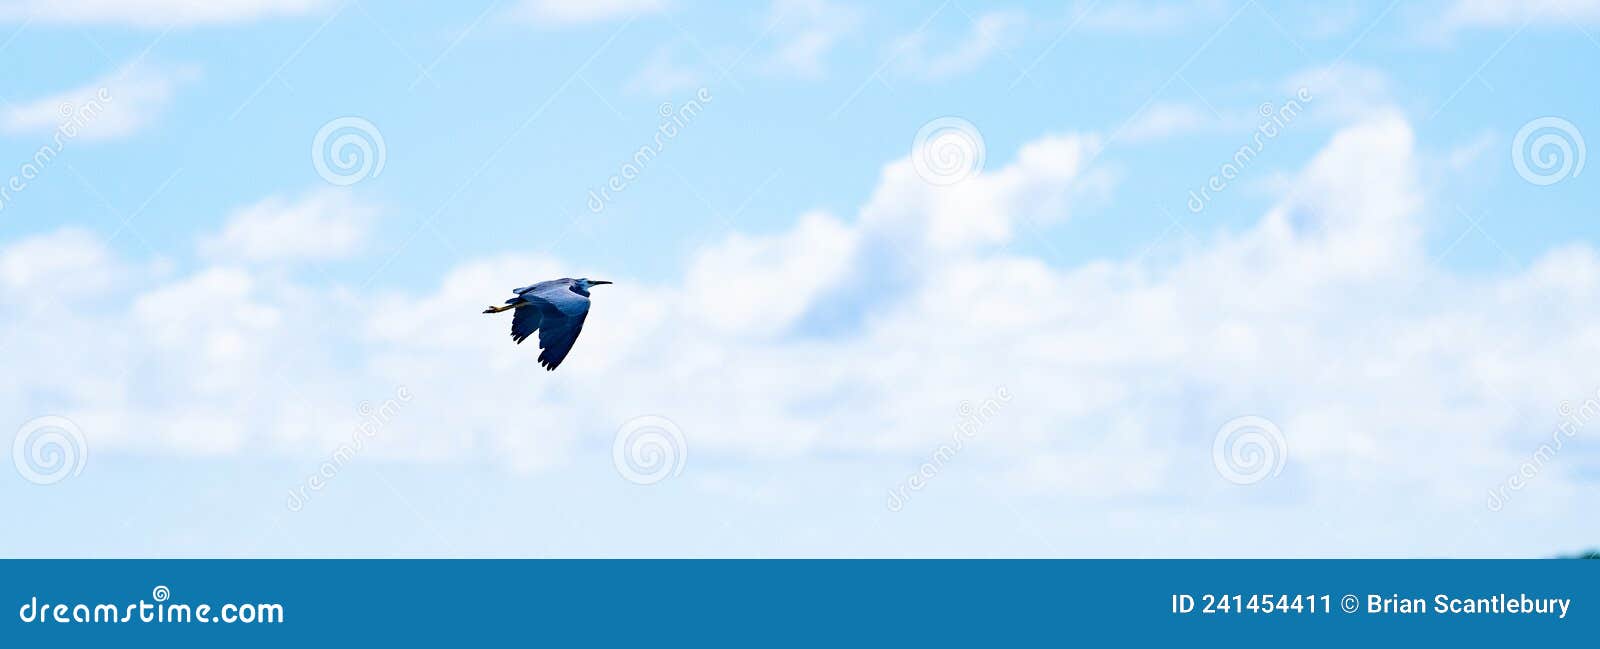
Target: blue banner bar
[793,602]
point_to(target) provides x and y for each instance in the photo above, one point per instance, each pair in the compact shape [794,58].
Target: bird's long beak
[594,282]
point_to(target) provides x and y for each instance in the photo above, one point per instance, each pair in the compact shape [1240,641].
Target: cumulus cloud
[65,262]
[1390,376]
[323,225]
[731,281]
[116,105]
[565,13]
[154,13]
[983,209]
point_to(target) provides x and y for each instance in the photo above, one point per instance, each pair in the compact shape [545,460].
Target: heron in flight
[555,309]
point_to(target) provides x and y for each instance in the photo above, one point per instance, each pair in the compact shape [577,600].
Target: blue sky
[205,317]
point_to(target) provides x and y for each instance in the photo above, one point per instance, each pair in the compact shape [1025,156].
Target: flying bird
[555,309]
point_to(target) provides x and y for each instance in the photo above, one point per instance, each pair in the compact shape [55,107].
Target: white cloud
[1469,153]
[563,13]
[917,55]
[327,224]
[116,105]
[1330,95]
[805,32]
[1146,17]
[1166,120]
[1442,24]
[665,72]
[730,283]
[985,208]
[1341,93]
[1469,14]
[154,13]
[861,337]
[60,263]
[1324,21]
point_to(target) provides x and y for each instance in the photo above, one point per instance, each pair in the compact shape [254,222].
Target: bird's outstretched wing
[525,320]
[557,314]
[539,286]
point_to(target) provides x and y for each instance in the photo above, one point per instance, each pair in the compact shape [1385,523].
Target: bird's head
[585,282]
